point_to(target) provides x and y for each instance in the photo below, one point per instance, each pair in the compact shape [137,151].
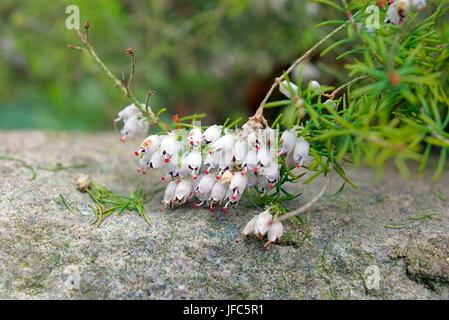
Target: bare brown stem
[259,113]
[347,84]
[90,49]
[309,204]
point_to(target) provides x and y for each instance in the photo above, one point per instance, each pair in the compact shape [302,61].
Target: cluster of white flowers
[217,165]
[133,122]
[398,9]
[264,224]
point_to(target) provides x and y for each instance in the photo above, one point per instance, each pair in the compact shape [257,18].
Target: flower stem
[309,204]
[90,49]
[278,80]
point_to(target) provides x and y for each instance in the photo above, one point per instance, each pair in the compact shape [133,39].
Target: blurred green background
[218,57]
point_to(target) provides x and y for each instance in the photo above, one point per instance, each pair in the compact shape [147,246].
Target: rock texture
[388,239]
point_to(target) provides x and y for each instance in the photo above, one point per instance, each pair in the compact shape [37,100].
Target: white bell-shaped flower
[270,137]
[275,231]
[224,143]
[127,112]
[217,194]
[301,151]
[287,141]
[144,162]
[288,89]
[149,145]
[331,102]
[314,85]
[419,4]
[264,157]
[263,223]
[135,125]
[205,185]
[250,162]
[194,137]
[211,134]
[183,191]
[194,161]
[156,160]
[239,151]
[250,227]
[169,147]
[169,193]
[253,141]
[211,161]
[238,184]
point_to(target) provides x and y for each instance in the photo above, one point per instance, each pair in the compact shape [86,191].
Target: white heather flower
[419,4]
[301,151]
[332,103]
[211,134]
[225,161]
[183,191]
[194,137]
[144,162]
[271,174]
[205,185]
[250,227]
[211,161]
[127,112]
[169,193]
[397,11]
[288,89]
[169,146]
[149,145]
[178,168]
[225,143]
[238,184]
[392,15]
[308,70]
[156,160]
[263,223]
[288,141]
[314,84]
[270,137]
[135,125]
[252,140]
[239,151]
[194,161]
[263,157]
[217,194]
[275,231]
[250,162]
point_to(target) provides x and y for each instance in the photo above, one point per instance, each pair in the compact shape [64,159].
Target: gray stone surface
[48,252]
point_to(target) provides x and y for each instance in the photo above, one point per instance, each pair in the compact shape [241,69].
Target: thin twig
[347,84]
[309,204]
[130,51]
[278,80]
[150,93]
[114,79]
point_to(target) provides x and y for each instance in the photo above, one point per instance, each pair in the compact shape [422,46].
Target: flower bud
[250,227]
[263,223]
[183,191]
[275,231]
[288,89]
[288,141]
[211,134]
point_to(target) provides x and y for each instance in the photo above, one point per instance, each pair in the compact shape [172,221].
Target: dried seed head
[130,51]
[82,182]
